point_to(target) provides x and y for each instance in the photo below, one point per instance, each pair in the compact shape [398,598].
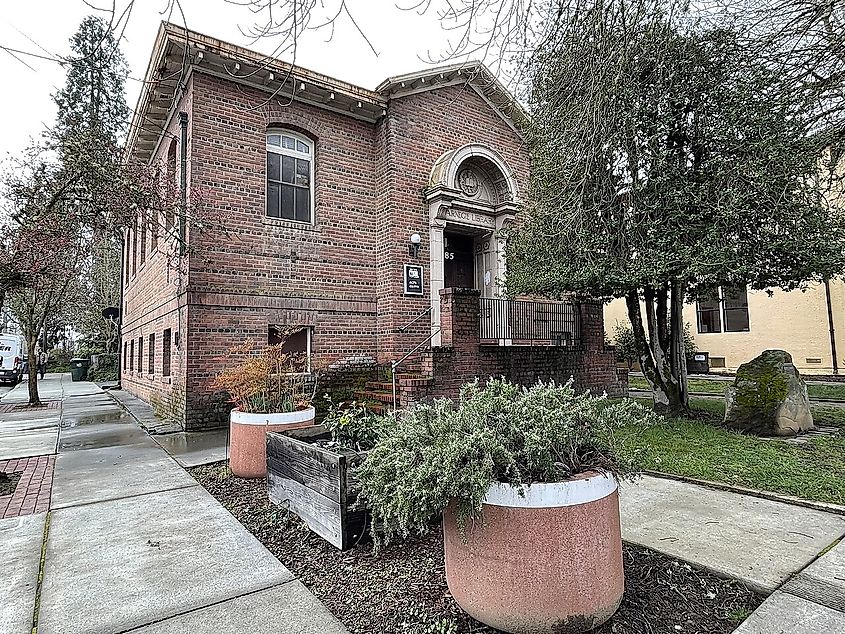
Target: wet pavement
[132,540]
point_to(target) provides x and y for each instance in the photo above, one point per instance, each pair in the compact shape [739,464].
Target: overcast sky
[401,39]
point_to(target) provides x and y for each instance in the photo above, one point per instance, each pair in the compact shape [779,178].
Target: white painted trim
[445,168]
[310,156]
[276,418]
[552,494]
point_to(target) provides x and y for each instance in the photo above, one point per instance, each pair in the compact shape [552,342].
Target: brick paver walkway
[8,408]
[32,494]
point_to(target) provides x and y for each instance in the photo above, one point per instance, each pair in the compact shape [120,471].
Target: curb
[826,507]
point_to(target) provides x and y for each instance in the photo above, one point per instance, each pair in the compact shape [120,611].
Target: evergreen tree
[667,160]
[93,97]
[92,114]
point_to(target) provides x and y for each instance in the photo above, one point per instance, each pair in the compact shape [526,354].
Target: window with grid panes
[290,176]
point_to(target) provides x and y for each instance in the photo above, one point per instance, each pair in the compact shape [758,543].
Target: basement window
[295,341]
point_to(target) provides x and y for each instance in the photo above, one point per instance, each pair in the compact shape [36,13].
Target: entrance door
[458,261]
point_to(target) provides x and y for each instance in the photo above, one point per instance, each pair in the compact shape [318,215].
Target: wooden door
[458,261]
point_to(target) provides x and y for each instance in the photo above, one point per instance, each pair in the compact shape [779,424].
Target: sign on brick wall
[413,279]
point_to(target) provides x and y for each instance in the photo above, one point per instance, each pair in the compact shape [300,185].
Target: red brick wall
[419,128]
[462,358]
[155,299]
[342,276]
[252,271]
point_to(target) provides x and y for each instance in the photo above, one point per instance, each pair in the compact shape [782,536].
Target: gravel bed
[403,590]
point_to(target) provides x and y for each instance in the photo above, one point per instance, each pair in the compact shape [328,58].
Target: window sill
[290,224]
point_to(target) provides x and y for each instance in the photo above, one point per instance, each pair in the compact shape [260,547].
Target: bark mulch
[8,482]
[402,589]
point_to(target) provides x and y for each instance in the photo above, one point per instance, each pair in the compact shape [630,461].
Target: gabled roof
[472,73]
[178,51]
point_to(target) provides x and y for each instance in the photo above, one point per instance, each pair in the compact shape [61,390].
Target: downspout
[830,326]
[183,177]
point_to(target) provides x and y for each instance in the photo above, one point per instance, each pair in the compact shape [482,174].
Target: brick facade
[340,275]
[461,355]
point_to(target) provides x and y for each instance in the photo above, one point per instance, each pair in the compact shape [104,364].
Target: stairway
[378,395]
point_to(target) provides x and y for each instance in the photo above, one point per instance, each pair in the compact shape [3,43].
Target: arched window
[290,176]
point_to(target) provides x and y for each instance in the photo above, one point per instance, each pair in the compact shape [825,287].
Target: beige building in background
[739,326]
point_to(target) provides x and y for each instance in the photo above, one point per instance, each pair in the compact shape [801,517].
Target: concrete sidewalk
[133,543]
[773,547]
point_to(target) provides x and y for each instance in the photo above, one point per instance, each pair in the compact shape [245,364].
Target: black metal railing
[519,322]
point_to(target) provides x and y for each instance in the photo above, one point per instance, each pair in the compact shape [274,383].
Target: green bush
[58,361]
[354,426]
[626,347]
[107,368]
[450,453]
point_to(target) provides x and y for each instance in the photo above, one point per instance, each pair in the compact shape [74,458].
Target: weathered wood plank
[319,513]
[319,485]
[309,465]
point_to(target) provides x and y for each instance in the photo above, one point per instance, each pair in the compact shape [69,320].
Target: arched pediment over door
[476,173]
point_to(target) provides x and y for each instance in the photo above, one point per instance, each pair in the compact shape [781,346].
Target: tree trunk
[32,372]
[679,356]
[660,349]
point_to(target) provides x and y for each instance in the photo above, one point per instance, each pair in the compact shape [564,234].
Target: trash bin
[79,369]
[699,363]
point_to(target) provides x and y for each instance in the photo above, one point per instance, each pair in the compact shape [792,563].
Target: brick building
[347,214]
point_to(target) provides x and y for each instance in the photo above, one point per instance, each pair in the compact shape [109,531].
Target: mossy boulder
[768,397]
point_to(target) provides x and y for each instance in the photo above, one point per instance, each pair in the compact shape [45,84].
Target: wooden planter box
[317,484]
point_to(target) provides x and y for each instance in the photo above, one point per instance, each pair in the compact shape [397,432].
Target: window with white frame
[295,341]
[728,307]
[290,176]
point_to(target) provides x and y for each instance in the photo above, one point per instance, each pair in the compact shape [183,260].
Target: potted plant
[313,471]
[526,482]
[270,392]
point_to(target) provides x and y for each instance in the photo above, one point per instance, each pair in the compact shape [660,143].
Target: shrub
[626,347]
[353,426]
[59,361]
[450,453]
[106,369]
[269,380]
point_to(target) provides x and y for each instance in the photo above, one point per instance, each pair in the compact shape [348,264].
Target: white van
[11,358]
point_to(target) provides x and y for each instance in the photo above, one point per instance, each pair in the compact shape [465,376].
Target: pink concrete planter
[247,439]
[549,562]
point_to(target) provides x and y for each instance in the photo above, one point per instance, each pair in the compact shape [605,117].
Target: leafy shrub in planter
[268,381]
[451,452]
[353,426]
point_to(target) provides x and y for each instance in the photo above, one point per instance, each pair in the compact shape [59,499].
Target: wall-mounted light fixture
[414,246]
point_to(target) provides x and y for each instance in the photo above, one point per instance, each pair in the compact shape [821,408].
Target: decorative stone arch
[481,160]
[471,191]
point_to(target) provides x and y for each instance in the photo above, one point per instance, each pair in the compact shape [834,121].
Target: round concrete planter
[247,440]
[548,562]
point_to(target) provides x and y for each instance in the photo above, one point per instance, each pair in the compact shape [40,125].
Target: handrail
[396,364]
[415,319]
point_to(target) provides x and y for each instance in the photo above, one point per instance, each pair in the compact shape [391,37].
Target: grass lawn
[699,448]
[708,386]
